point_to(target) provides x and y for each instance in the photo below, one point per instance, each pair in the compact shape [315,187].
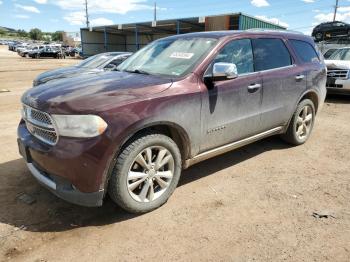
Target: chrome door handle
[299,77]
[253,87]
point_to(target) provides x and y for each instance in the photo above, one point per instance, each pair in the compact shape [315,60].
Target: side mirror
[224,71]
[110,67]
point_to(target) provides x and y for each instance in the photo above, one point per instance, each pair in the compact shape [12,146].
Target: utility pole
[335,10]
[155,12]
[87,14]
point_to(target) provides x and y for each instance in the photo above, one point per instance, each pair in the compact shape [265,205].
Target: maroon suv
[176,102]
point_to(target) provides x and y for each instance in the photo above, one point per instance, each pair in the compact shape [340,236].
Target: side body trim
[226,148]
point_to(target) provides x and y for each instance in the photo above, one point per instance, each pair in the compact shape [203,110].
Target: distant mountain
[7,29]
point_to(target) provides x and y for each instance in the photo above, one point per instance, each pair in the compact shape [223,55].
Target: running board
[226,148]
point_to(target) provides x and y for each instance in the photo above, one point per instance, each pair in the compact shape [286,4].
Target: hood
[62,73]
[337,64]
[93,92]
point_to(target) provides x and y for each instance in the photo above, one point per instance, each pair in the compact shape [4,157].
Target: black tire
[118,183]
[319,36]
[291,135]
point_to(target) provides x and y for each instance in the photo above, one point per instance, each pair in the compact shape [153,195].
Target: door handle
[299,77]
[254,87]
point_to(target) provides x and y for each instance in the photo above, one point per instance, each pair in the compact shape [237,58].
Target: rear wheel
[319,36]
[146,173]
[302,123]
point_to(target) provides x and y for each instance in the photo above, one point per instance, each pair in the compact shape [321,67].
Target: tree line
[34,34]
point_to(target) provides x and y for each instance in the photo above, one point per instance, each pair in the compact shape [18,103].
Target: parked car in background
[178,101]
[338,75]
[25,52]
[329,52]
[45,52]
[330,30]
[94,64]
[12,45]
[21,47]
[70,51]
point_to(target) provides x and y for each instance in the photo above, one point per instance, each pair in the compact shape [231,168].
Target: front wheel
[302,123]
[146,173]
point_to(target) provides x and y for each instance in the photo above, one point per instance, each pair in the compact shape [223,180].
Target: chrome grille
[40,125]
[338,73]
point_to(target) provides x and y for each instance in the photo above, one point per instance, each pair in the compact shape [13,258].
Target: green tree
[35,34]
[57,36]
[22,33]
[2,31]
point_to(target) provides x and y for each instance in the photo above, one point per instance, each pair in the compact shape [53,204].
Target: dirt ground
[252,204]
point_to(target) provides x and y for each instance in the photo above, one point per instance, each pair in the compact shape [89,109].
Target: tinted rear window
[270,53]
[305,51]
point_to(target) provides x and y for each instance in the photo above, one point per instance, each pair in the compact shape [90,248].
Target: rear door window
[305,51]
[270,53]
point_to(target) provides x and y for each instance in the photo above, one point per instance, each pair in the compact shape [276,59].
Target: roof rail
[273,30]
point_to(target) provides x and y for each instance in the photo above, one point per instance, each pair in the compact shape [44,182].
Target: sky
[69,15]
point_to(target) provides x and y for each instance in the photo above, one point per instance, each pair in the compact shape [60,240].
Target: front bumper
[66,191]
[338,86]
[69,173]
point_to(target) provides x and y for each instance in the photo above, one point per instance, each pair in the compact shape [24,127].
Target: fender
[309,91]
[138,127]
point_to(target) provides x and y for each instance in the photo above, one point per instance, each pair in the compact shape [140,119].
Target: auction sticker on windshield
[181,55]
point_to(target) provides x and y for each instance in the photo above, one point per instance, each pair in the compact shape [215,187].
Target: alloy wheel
[304,122]
[150,174]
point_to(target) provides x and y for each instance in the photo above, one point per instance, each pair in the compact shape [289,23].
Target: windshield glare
[341,54]
[94,61]
[169,57]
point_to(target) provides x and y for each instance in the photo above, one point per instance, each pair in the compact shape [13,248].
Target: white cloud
[1,2]
[342,15]
[75,18]
[106,6]
[259,3]
[41,1]
[78,18]
[308,1]
[101,21]
[328,17]
[344,9]
[28,8]
[272,20]
[22,16]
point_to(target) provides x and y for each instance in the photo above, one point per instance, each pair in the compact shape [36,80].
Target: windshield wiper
[138,71]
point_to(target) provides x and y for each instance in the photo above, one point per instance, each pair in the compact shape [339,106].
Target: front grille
[338,73]
[40,125]
[334,85]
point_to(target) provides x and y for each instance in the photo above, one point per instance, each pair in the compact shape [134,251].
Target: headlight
[79,125]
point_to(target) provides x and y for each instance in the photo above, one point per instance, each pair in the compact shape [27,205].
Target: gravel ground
[265,202]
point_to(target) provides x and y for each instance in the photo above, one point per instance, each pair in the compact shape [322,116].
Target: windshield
[94,61]
[169,57]
[341,54]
